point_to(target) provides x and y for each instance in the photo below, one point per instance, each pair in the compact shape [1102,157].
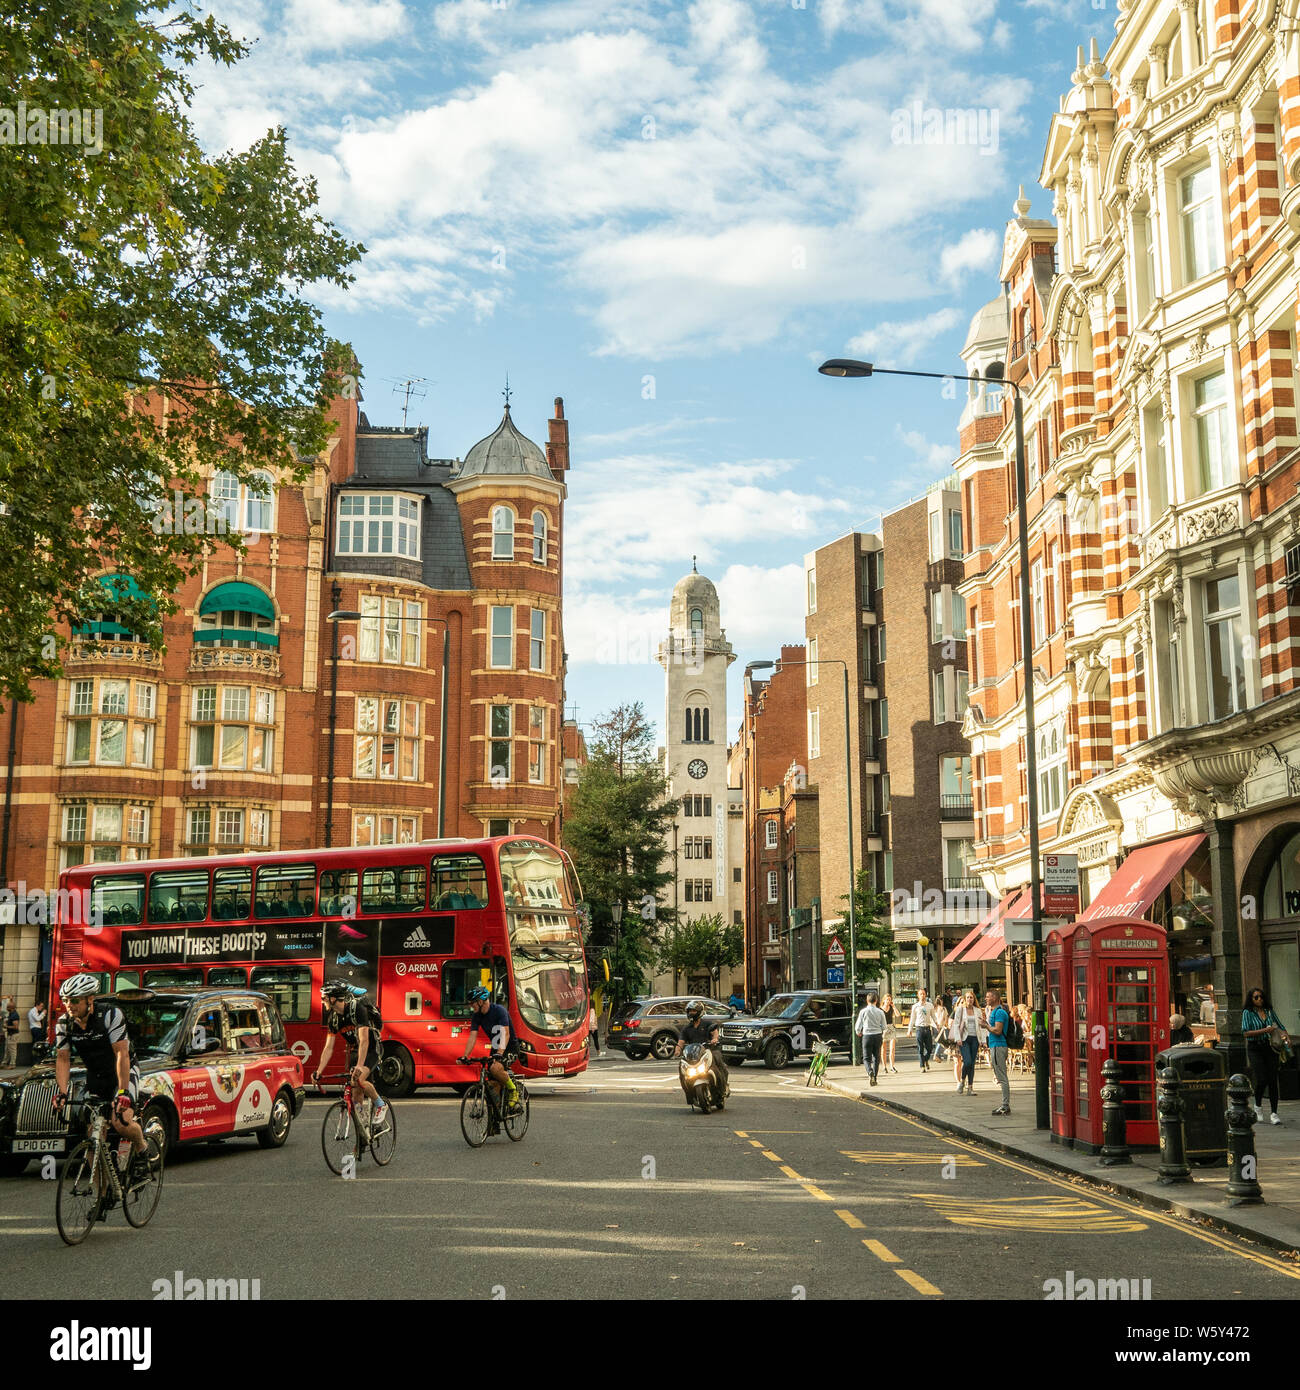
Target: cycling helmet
[79,986]
[695,1011]
[338,989]
[477,993]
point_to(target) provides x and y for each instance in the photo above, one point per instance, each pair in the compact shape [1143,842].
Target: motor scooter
[700,1079]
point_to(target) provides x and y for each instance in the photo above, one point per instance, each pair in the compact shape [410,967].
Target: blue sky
[667,213]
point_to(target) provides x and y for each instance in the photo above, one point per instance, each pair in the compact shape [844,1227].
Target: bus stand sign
[1060,885]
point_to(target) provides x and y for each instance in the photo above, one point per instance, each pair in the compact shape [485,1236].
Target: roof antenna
[407,388]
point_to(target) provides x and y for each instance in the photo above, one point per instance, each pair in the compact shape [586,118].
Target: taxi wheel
[395,1074]
[157,1126]
[277,1131]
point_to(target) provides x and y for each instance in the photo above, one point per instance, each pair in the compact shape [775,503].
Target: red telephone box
[1108,995]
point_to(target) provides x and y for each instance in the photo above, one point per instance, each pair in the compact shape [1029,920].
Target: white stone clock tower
[695,657]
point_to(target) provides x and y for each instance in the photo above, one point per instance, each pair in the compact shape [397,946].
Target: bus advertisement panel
[414,926]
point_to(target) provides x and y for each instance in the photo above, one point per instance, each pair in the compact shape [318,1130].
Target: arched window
[236,614]
[539,538]
[503,533]
[697,722]
[697,620]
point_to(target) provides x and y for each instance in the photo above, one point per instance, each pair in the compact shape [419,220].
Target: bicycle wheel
[516,1124]
[383,1141]
[140,1199]
[339,1140]
[78,1202]
[475,1116]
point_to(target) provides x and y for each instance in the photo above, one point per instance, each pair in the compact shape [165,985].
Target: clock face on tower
[697,767]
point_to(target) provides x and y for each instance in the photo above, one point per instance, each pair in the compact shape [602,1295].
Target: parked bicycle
[347,1131]
[821,1052]
[97,1176]
[482,1113]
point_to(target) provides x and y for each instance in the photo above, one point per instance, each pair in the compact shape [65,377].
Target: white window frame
[773,886]
[814,733]
[810,580]
[498,771]
[771,834]
[541,546]
[810,667]
[1216,462]
[377,523]
[1200,222]
[494,636]
[503,533]
[1232,621]
[537,644]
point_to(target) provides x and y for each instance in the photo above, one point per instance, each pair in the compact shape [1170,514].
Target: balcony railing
[953,807]
[265,663]
[963,885]
[86,649]
[1022,346]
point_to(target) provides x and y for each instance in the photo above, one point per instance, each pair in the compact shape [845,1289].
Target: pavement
[932,1096]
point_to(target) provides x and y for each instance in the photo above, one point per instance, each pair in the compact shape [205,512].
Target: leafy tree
[871,934]
[615,831]
[702,944]
[153,319]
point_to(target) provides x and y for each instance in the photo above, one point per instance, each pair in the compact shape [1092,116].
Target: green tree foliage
[153,319]
[615,832]
[872,934]
[702,944]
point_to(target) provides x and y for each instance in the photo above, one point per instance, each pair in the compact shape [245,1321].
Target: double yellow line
[887,1257]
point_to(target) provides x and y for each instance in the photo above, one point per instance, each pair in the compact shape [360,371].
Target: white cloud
[933,460]
[978,250]
[762,607]
[338,24]
[905,343]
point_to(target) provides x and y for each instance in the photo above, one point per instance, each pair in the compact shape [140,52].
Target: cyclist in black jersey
[99,1038]
[355,1019]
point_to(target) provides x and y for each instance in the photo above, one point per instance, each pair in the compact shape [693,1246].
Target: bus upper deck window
[232,893]
[178,895]
[117,899]
[458,881]
[338,893]
[285,890]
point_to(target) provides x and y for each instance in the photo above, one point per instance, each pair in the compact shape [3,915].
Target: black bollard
[1114,1127]
[1169,1106]
[1243,1167]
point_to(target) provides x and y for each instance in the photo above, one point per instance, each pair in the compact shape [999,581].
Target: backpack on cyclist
[1013,1030]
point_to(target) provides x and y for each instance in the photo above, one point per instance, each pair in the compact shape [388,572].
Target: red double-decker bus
[416,925]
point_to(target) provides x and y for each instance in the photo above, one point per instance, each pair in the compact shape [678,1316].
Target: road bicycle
[346,1131]
[97,1176]
[821,1052]
[482,1114]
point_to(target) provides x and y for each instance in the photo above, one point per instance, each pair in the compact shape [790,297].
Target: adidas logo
[416,939]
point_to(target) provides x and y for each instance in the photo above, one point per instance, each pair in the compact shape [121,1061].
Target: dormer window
[379,523]
[503,533]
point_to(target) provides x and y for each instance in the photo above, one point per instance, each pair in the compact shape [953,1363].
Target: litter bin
[1203,1072]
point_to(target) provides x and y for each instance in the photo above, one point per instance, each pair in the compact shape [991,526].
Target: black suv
[654,1025]
[788,1025]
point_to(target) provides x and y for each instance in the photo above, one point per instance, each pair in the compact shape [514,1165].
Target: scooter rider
[696,1031]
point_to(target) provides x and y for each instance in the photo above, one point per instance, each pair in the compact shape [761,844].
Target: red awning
[1141,879]
[975,939]
[995,942]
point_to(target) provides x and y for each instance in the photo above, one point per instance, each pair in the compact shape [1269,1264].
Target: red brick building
[442,714]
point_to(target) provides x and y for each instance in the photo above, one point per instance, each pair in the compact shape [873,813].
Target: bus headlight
[523,1046]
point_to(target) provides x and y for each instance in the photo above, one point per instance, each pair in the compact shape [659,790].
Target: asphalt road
[618,1191]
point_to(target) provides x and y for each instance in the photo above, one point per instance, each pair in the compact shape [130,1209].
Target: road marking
[777,1131]
[1176,1223]
[850,1220]
[790,1173]
[757,1143]
[919,1284]
[886,1156]
[767,1153]
[881,1252]
[1072,1215]
[740,1133]
[816,1192]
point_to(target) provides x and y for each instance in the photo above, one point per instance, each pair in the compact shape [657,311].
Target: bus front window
[545,940]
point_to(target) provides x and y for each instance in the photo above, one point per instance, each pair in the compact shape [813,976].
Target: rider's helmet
[695,1011]
[78,987]
[477,994]
[336,989]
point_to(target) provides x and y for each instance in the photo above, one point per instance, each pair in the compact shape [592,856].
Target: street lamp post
[848,367]
[347,615]
[848,826]
[616,912]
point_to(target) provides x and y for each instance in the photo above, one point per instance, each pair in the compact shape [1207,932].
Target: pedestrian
[921,1021]
[36,1022]
[889,1040]
[870,1027]
[593,1029]
[945,998]
[11,1032]
[1208,1007]
[968,1030]
[997,1021]
[942,1018]
[1179,1032]
[1265,1039]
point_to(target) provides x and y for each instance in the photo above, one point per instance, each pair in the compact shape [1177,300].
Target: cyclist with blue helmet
[494,1021]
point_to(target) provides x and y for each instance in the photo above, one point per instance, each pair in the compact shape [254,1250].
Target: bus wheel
[395,1074]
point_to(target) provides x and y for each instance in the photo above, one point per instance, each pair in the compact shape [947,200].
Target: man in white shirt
[870,1026]
[1207,1006]
[921,1023]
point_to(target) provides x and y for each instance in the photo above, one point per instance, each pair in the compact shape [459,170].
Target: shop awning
[1141,879]
[116,587]
[978,936]
[237,597]
[994,941]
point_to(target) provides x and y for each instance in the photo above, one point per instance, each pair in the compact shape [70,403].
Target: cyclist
[696,1031]
[493,1020]
[354,1017]
[100,1040]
